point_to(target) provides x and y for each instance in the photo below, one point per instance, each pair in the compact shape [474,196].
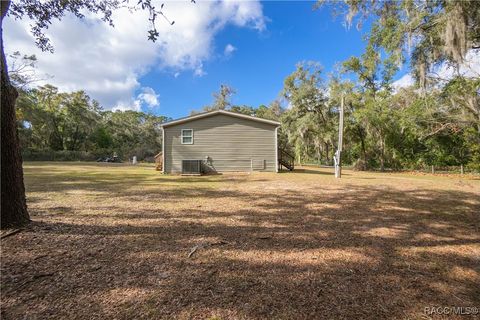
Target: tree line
[384,127]
[406,128]
[434,122]
[55,125]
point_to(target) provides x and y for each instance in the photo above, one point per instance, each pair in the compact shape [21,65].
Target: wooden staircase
[159,162]
[286,159]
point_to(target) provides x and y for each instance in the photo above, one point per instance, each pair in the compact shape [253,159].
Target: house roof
[212,113]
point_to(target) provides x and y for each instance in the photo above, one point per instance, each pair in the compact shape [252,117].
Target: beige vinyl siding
[231,143]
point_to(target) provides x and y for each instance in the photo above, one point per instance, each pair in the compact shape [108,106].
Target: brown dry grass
[112,241]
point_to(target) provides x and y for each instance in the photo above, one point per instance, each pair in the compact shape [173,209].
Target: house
[220,141]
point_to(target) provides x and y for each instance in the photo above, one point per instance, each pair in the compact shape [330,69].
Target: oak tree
[42,13]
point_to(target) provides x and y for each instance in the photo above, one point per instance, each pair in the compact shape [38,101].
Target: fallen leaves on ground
[113,241]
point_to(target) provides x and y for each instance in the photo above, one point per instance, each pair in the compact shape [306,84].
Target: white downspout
[276,149]
[163,150]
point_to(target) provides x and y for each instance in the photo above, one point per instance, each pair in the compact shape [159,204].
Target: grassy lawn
[113,241]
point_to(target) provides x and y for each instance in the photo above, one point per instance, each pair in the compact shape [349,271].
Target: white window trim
[181,137]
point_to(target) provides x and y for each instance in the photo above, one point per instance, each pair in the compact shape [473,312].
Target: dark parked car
[109,159]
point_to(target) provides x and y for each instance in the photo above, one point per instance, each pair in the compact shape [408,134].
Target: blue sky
[262,59]
[249,45]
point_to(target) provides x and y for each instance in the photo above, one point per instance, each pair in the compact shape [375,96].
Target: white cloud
[469,68]
[132,104]
[108,62]
[229,49]
[199,72]
[149,97]
[405,81]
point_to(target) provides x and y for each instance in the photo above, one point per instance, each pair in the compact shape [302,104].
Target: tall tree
[51,121]
[427,32]
[307,122]
[222,99]
[374,80]
[42,13]
[22,70]
[272,112]
[14,205]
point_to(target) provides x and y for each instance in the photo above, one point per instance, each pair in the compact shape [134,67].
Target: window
[187,136]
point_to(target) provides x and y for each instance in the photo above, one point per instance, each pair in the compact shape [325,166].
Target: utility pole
[338,154]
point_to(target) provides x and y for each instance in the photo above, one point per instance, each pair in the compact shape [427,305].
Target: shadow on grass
[363,252]
[311,171]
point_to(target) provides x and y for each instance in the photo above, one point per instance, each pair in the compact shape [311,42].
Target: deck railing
[286,159]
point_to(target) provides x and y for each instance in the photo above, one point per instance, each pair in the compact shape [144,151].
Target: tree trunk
[73,144]
[362,143]
[382,154]
[13,204]
[319,154]
[326,147]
